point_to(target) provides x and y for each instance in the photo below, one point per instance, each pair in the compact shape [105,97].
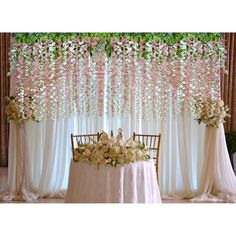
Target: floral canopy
[115,73]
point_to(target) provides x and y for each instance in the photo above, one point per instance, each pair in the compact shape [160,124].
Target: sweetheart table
[131,183]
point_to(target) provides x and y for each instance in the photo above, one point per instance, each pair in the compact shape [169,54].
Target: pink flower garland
[165,83]
[68,85]
[125,84]
[100,69]
[144,79]
[47,81]
[113,83]
[87,82]
[154,85]
[58,77]
[76,75]
[19,82]
[133,83]
[27,73]
[143,87]
[35,81]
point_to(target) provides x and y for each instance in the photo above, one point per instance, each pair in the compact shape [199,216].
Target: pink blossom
[112,40]
[20,60]
[124,40]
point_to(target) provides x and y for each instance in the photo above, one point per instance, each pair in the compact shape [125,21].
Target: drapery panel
[182,156]
[48,151]
[4,91]
[228,81]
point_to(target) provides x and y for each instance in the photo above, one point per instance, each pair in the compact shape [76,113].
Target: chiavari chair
[77,140]
[152,141]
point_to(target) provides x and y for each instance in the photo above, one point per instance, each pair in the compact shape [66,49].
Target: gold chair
[152,141]
[79,139]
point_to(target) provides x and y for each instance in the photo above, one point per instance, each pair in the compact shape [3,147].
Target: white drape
[43,156]
[48,153]
[132,183]
[218,181]
[181,157]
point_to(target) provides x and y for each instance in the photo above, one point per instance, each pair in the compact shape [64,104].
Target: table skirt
[132,183]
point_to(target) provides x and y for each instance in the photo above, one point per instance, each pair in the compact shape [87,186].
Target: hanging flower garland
[66,73]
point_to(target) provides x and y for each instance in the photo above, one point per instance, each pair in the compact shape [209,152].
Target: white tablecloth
[133,183]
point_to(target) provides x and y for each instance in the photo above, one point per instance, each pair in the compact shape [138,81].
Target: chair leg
[157,172]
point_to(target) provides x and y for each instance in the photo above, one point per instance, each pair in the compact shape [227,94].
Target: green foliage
[168,38]
[105,38]
[231,141]
[108,49]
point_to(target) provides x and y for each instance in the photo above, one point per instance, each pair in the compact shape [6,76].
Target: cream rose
[97,146]
[90,146]
[121,160]
[87,152]
[81,149]
[220,103]
[117,149]
[104,136]
[109,145]
[104,148]
[139,153]
[121,142]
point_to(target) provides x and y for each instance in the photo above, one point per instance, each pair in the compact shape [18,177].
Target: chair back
[79,139]
[152,141]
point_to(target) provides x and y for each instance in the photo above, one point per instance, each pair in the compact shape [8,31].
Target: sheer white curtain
[47,154]
[182,155]
[218,181]
[48,151]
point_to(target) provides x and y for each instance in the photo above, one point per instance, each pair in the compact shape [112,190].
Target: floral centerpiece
[211,112]
[111,151]
[15,112]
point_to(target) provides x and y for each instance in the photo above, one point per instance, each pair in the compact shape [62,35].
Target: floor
[3,185]
[3,177]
